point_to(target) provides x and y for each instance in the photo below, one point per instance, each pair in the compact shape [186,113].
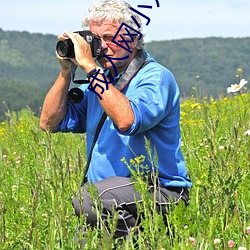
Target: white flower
[247,133]
[217,241]
[242,248]
[192,240]
[22,210]
[237,87]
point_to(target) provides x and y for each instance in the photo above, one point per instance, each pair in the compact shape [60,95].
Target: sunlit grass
[40,172]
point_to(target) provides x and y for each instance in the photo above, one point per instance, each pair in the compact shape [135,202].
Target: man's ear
[134,43]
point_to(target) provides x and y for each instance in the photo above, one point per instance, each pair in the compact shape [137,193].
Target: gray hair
[115,12]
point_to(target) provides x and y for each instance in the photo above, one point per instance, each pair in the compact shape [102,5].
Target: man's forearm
[115,104]
[55,103]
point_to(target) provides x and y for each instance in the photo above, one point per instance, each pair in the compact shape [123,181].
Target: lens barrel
[65,48]
[75,95]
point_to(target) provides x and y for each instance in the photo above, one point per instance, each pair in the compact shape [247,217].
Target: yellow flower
[240,70]
[195,105]
[138,160]
[132,162]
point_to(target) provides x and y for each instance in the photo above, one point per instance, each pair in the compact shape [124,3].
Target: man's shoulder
[153,63]
[155,69]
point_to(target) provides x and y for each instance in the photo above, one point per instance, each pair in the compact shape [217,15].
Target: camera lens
[75,95]
[65,48]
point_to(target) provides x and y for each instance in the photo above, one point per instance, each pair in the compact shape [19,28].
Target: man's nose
[104,44]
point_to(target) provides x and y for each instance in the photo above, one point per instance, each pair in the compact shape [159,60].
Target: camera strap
[136,64]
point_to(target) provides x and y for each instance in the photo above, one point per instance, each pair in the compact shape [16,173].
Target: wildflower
[45,216]
[242,248]
[248,230]
[137,160]
[230,244]
[132,162]
[192,240]
[22,210]
[14,188]
[123,160]
[247,133]
[240,70]
[237,87]
[216,241]
[221,147]
[195,106]
[198,182]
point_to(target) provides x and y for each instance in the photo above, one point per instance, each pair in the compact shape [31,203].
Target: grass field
[40,172]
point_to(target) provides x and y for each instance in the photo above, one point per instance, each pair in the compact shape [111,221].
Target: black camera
[65,48]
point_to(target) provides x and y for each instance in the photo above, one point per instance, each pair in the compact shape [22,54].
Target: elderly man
[141,104]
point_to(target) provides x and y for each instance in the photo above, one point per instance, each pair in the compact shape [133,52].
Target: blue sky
[174,19]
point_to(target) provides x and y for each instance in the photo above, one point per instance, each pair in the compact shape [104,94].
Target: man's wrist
[65,73]
[94,71]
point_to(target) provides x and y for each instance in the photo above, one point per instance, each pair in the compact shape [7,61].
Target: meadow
[40,172]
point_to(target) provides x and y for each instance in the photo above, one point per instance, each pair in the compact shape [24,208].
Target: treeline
[210,64]
[204,67]
[28,68]
[16,95]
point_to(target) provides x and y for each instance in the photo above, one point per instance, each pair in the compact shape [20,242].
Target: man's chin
[105,63]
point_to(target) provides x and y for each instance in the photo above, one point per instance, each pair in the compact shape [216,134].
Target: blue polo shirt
[154,97]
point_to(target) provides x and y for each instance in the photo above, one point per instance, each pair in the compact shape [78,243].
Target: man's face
[106,32]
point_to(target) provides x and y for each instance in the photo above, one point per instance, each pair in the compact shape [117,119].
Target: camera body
[65,48]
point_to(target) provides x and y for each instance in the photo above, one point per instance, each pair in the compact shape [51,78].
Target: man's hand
[66,63]
[83,54]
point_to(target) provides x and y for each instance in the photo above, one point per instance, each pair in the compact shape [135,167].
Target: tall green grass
[40,172]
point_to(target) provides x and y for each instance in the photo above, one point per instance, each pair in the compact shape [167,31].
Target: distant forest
[202,67]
